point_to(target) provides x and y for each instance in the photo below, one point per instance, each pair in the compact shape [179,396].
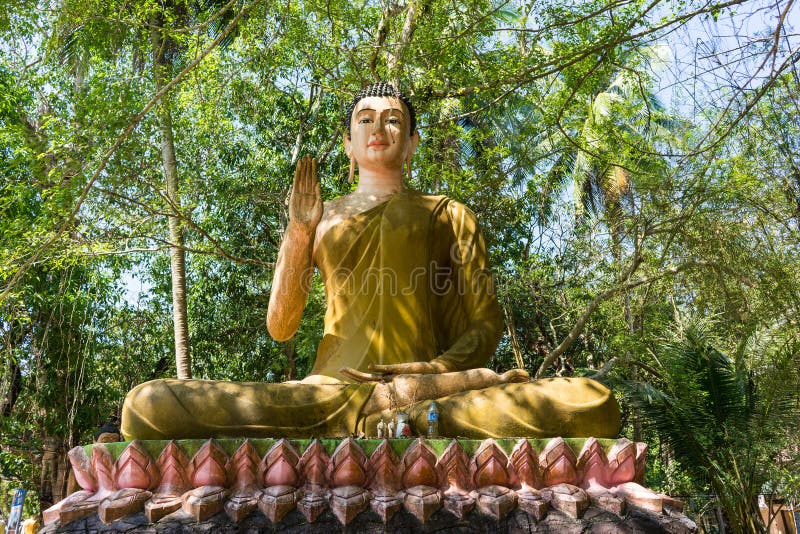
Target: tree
[53,326]
[164,50]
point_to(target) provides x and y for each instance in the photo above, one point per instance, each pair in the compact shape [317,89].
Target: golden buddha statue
[411,317]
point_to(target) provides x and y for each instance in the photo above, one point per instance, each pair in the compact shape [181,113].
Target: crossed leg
[567,407]
[477,403]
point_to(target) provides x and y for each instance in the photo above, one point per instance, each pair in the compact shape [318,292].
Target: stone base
[364,485]
[594,520]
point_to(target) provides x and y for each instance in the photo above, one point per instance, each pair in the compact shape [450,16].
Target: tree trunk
[10,386]
[720,517]
[512,333]
[394,59]
[614,214]
[53,471]
[177,253]
[290,350]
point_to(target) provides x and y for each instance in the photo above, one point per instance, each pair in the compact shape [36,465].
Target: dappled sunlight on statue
[411,316]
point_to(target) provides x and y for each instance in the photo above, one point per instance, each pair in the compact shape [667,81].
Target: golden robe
[405,281]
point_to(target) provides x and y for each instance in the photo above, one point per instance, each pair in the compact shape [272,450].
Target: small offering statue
[390,429]
[381,429]
[411,317]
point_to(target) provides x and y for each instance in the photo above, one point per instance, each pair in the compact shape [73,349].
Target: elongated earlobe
[408,169]
[352,169]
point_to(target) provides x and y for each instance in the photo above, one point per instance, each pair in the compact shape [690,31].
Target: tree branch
[577,329]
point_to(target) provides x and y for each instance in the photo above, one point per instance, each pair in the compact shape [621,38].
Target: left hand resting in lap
[387,372]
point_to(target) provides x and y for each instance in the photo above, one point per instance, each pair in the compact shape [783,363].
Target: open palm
[305,203]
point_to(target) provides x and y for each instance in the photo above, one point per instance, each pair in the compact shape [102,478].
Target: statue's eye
[364,120]
[393,120]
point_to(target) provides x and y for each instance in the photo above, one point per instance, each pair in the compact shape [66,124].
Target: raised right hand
[305,203]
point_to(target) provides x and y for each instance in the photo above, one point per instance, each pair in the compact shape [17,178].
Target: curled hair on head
[381,89]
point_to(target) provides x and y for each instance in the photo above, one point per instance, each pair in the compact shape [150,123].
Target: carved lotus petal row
[174,473]
[419,480]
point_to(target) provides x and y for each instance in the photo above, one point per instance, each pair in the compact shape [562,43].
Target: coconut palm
[624,122]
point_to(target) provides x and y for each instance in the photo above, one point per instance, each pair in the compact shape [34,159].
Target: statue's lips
[378,144]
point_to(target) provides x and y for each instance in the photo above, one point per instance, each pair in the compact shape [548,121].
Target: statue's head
[108,433]
[382,89]
[381,127]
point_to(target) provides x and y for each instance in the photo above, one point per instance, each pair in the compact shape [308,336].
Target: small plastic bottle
[433,421]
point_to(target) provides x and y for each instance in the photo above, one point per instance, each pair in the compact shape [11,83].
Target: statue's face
[108,437]
[379,133]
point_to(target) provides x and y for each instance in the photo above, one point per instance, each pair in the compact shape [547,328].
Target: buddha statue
[412,317]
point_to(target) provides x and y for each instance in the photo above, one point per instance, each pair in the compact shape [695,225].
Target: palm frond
[676,424]
[726,423]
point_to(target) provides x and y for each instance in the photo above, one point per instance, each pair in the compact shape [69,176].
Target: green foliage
[670,478]
[728,422]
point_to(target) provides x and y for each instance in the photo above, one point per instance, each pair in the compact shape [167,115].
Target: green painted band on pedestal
[262,445]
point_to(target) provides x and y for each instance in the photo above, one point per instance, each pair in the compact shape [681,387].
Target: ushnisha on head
[381,133]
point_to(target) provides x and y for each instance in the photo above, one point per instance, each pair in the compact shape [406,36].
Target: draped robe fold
[407,280]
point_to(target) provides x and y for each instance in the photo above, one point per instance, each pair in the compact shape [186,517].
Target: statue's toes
[515,375]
